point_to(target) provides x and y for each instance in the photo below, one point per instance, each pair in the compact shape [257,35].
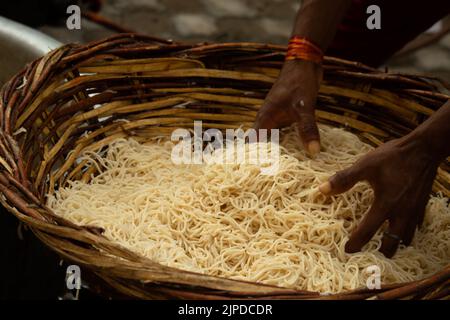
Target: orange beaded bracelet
[300,48]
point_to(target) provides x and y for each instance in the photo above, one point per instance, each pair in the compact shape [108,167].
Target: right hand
[293,99]
[401,173]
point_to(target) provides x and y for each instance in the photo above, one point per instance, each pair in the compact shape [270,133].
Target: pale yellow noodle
[232,221]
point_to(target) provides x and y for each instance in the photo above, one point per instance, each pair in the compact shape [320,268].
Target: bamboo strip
[79,98]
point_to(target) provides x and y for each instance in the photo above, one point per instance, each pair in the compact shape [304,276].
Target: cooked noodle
[231,221]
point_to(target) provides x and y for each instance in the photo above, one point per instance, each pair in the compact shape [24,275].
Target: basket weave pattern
[79,98]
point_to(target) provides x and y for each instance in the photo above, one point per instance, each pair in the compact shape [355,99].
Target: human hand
[401,173]
[293,99]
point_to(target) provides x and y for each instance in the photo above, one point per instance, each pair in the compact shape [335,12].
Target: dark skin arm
[401,173]
[293,96]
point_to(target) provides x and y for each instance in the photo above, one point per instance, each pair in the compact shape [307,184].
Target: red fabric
[401,22]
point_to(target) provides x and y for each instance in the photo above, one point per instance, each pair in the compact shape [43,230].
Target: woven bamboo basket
[80,97]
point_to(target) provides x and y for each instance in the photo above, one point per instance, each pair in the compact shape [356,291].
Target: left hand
[292,99]
[401,174]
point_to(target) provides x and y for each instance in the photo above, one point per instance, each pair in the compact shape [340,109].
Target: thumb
[343,180]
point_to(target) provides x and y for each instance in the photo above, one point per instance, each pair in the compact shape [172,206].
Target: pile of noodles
[232,221]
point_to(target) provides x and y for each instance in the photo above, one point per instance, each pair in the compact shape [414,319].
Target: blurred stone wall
[230,20]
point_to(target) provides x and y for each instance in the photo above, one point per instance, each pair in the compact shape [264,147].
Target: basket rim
[23,200]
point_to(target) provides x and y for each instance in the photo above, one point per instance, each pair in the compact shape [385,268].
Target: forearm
[318,20]
[434,134]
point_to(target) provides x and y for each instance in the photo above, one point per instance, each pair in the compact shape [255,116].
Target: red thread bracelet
[300,48]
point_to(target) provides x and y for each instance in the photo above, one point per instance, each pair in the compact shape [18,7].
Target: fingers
[421,211]
[393,236]
[402,226]
[424,197]
[343,180]
[307,128]
[410,228]
[367,227]
[265,121]
[273,114]
[415,218]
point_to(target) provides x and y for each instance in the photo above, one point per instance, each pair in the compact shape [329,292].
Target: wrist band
[300,48]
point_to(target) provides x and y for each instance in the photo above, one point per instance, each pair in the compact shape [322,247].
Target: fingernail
[313,148]
[325,187]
